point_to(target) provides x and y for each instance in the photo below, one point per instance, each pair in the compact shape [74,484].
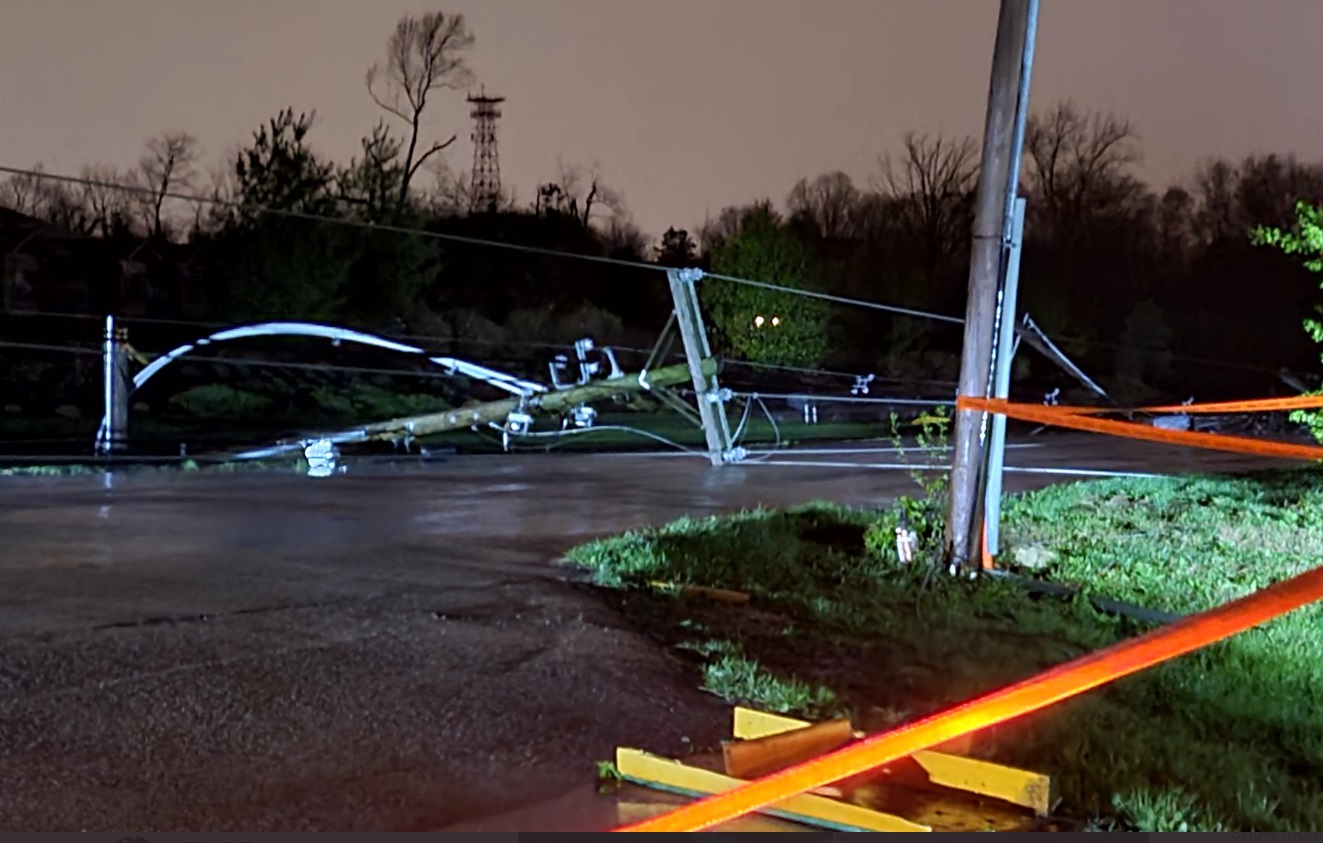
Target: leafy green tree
[1306,240]
[756,323]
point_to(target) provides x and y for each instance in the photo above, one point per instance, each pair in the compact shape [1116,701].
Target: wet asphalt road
[388,649]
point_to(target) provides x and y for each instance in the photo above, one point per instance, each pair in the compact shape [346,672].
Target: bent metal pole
[1060,683]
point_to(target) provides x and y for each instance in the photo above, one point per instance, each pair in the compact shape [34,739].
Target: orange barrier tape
[1059,683]
[1083,418]
[1257,405]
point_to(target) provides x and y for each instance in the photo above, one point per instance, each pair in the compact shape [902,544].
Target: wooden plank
[751,724]
[749,759]
[1019,787]
[629,812]
[650,770]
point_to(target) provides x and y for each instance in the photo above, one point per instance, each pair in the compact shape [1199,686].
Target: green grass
[1227,738]
[79,469]
[738,678]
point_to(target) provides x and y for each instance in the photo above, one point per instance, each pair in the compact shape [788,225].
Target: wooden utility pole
[481,415]
[962,527]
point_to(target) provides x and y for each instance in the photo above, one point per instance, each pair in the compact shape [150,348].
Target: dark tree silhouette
[930,185]
[169,165]
[826,204]
[424,54]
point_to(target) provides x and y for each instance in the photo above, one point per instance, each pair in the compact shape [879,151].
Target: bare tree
[1079,168]
[623,239]
[169,165]
[425,53]
[726,225]
[222,189]
[1173,220]
[22,193]
[579,193]
[829,203]
[109,209]
[930,185]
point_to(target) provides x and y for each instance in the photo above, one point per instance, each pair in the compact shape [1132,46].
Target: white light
[776,320]
[758,321]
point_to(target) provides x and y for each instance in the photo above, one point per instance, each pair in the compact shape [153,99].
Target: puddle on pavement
[584,809]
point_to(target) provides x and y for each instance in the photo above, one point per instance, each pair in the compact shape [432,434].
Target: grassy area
[79,469]
[1230,738]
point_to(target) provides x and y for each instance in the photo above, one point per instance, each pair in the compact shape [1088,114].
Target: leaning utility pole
[962,527]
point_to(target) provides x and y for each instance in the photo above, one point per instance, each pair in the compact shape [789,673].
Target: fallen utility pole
[498,412]
[984,281]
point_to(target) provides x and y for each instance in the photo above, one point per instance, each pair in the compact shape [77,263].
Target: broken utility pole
[962,527]
[497,412]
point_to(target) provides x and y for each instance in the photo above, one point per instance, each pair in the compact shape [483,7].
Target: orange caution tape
[1060,683]
[1083,418]
[1257,405]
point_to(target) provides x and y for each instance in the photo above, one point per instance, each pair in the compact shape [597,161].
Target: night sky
[686,105]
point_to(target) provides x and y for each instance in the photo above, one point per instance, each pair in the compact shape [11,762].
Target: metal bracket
[580,418]
[518,423]
[589,367]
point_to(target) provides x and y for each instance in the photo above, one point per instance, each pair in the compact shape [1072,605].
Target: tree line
[1139,281]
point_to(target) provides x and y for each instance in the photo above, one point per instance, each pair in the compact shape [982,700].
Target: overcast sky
[686,105]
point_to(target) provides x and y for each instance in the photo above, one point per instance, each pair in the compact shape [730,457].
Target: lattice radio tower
[485,187]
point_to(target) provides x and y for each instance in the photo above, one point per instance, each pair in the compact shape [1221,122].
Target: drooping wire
[244,361]
[248,207]
[217,201]
[813,294]
[194,323]
[583,431]
[252,208]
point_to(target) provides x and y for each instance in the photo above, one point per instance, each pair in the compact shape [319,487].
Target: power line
[538,250]
[243,361]
[813,294]
[846,399]
[37,346]
[194,323]
[388,228]
[452,238]
[804,370]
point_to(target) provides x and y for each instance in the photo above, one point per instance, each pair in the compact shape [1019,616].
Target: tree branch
[434,149]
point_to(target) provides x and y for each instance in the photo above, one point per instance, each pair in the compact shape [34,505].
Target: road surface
[388,649]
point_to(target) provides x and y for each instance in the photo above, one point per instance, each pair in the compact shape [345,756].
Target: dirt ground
[387,649]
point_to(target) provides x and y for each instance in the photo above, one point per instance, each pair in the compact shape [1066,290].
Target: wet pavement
[387,649]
